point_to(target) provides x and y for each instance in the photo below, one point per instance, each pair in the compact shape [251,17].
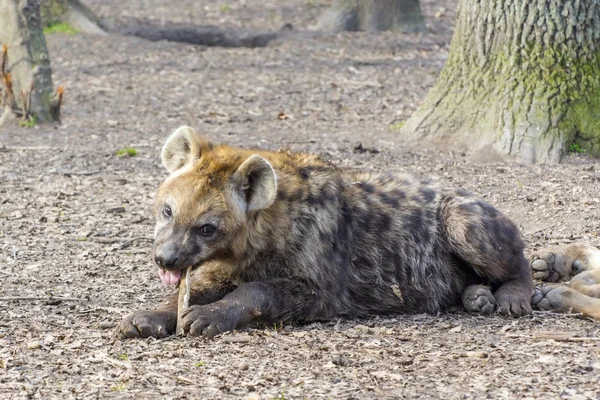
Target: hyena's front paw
[479,299]
[513,299]
[210,320]
[550,298]
[142,324]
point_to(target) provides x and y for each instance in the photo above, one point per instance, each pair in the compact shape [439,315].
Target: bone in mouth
[183,302]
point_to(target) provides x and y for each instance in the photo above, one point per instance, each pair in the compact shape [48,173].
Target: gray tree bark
[27,61]
[373,15]
[522,81]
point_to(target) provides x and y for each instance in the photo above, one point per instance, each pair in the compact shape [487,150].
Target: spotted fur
[298,239]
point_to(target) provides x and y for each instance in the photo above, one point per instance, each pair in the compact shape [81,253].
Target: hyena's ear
[182,147]
[255,183]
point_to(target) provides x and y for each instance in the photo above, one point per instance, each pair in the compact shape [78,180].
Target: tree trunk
[70,12]
[27,59]
[373,15]
[522,80]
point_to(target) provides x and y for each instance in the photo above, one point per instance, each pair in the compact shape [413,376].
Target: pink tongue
[169,277]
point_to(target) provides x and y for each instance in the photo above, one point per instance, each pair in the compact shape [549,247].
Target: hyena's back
[392,243]
[411,243]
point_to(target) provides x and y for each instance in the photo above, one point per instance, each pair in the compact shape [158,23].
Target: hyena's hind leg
[587,282]
[559,263]
[491,245]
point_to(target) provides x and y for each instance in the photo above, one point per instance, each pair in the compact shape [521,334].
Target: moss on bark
[53,11]
[522,80]
[71,12]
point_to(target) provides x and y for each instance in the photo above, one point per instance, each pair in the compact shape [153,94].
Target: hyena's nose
[166,260]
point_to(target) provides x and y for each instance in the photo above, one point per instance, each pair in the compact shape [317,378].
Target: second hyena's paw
[561,262]
[549,298]
[550,265]
[143,324]
[479,299]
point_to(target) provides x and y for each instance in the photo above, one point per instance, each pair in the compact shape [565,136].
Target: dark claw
[209,320]
[514,304]
[142,324]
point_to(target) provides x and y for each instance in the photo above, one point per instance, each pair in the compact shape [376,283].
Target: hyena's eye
[167,211]
[207,230]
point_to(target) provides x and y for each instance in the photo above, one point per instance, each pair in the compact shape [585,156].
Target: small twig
[129,242]
[31,148]
[33,298]
[57,102]
[12,103]
[132,252]
[106,240]
[3,61]
[56,324]
[27,105]
[125,242]
[565,337]
[82,173]
[119,232]
[116,363]
[557,315]
[8,97]
[183,379]
[25,115]
[301,141]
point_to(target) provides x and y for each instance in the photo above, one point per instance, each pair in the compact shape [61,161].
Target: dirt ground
[75,218]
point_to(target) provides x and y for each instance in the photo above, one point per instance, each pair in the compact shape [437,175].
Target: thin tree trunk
[373,15]
[28,61]
[522,80]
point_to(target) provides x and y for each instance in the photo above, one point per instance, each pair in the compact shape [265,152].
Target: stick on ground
[36,298]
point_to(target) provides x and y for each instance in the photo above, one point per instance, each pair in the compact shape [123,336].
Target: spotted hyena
[280,236]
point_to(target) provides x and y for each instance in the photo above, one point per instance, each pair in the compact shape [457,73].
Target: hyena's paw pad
[209,320]
[143,324]
[479,299]
[549,298]
[550,266]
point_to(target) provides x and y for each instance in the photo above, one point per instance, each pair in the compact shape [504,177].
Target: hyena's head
[202,208]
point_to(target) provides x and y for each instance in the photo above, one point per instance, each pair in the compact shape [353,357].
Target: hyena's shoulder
[305,179]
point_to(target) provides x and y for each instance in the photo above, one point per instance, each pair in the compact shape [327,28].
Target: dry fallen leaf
[34,345]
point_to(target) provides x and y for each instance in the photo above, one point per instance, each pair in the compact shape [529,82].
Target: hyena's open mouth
[172,277]
[169,277]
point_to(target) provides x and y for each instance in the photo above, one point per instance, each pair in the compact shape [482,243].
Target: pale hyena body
[277,236]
